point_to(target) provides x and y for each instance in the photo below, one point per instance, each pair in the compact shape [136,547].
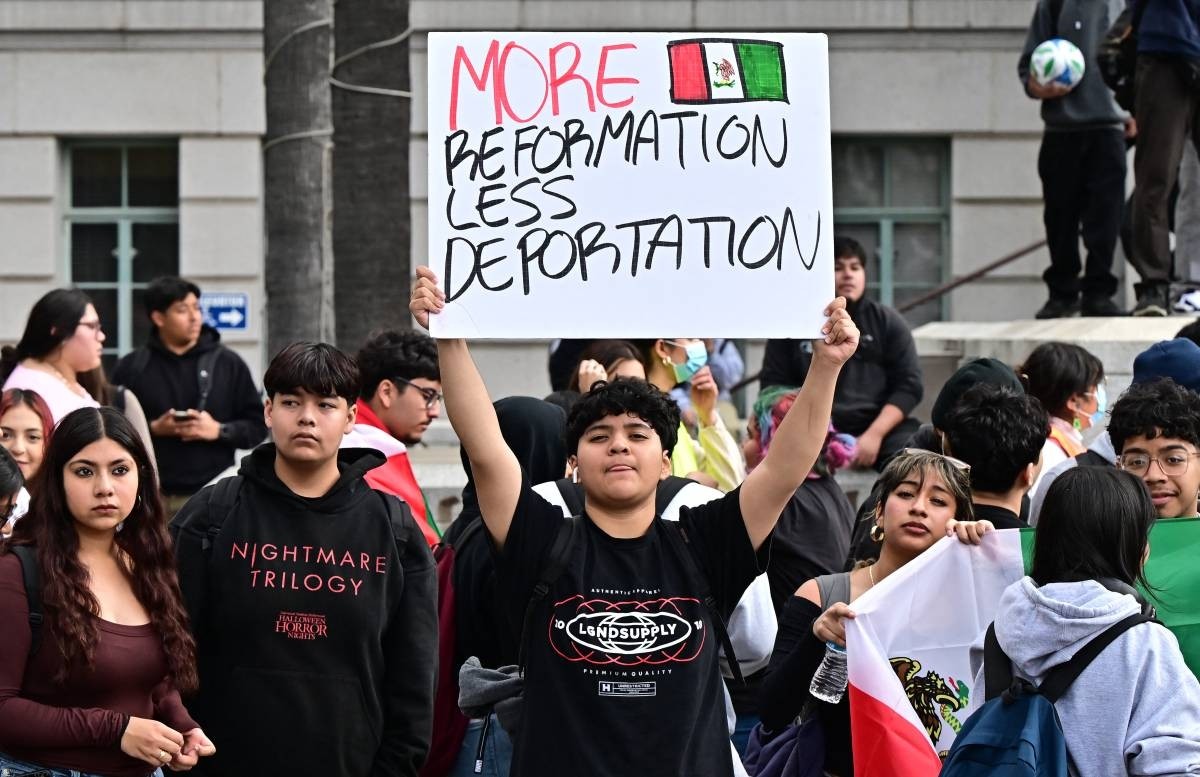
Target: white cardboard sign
[630,184]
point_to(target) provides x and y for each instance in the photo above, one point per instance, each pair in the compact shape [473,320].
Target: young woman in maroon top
[100,695]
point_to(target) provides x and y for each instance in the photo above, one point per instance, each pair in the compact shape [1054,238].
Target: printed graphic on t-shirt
[626,631]
[301,625]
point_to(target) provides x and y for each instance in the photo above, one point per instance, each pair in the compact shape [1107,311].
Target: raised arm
[800,436]
[496,470]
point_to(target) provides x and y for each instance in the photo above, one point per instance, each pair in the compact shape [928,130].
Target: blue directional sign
[226,311]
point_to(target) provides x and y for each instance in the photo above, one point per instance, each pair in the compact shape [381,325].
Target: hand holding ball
[1057,61]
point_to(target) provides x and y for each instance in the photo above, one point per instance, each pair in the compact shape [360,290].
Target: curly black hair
[998,432]
[624,396]
[1160,408]
[389,354]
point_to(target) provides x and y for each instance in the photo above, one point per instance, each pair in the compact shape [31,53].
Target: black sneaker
[1100,307]
[1151,300]
[1059,308]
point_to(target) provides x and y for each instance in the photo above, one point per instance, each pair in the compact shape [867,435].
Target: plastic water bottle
[829,682]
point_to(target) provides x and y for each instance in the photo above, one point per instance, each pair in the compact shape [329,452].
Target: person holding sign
[621,673]
[716,459]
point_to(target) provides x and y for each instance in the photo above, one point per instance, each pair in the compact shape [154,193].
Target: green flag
[1173,571]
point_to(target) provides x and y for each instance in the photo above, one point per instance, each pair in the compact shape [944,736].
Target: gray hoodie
[1084,23]
[1135,710]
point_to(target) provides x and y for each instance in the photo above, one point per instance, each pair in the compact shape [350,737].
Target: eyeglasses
[1174,463]
[95,326]
[432,396]
[958,464]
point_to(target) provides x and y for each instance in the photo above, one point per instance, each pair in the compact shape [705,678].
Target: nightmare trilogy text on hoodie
[316,627]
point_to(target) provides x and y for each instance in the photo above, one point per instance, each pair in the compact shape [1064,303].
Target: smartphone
[182,415]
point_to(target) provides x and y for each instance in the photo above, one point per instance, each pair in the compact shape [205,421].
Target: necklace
[871,574]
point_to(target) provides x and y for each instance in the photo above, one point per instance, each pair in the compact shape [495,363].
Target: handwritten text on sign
[635,185]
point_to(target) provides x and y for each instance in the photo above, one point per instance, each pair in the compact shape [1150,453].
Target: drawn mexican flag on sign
[712,70]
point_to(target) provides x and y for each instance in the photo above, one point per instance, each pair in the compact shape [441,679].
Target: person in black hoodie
[881,384]
[312,596]
[196,423]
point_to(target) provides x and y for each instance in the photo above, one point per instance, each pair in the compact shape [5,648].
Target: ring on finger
[163,755]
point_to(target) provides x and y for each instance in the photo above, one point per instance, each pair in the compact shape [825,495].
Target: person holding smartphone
[199,395]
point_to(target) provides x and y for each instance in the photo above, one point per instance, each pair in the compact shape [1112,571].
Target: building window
[122,230]
[893,196]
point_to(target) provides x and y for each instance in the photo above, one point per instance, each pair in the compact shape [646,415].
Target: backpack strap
[668,488]
[204,373]
[27,555]
[572,494]
[677,537]
[556,564]
[220,504]
[118,398]
[400,517]
[1060,677]
[997,666]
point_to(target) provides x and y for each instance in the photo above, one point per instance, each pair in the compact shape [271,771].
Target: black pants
[1166,116]
[1083,185]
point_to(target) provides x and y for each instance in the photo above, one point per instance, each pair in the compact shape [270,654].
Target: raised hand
[426,297]
[841,334]
[704,396]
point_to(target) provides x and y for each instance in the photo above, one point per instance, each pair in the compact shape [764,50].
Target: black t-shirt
[621,671]
[1000,517]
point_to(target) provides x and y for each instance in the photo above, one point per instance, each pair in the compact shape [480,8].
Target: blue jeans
[741,732]
[11,767]
[497,751]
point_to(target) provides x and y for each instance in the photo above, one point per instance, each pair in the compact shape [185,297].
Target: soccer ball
[1057,61]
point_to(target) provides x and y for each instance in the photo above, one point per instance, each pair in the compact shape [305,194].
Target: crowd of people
[1089,128]
[635,583]
[625,575]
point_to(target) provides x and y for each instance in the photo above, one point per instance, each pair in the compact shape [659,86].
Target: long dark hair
[52,320]
[1095,522]
[143,542]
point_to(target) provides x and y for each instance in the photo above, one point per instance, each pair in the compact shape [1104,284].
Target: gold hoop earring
[876,534]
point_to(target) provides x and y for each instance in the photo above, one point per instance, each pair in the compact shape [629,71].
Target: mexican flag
[712,70]
[908,647]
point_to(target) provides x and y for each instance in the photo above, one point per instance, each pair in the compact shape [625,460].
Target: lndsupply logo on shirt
[627,633]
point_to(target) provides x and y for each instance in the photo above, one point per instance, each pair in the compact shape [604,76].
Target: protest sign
[630,184]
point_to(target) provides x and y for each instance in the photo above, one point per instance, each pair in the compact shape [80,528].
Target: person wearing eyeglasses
[62,340]
[401,396]
[1155,429]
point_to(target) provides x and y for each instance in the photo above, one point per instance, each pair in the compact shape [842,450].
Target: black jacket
[884,370]
[170,380]
[316,626]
